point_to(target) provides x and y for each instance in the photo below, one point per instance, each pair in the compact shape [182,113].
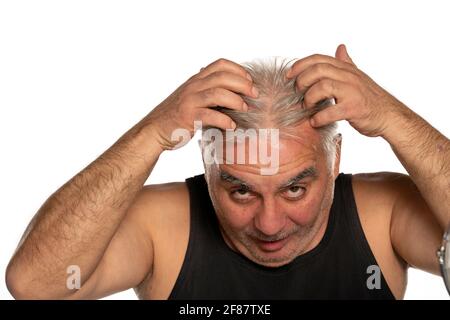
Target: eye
[294,192]
[241,194]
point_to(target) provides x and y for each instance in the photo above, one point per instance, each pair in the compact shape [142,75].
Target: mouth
[271,246]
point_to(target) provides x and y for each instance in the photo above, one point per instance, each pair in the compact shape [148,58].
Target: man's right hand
[218,84]
[100,218]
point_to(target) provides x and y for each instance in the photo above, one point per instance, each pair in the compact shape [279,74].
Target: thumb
[342,54]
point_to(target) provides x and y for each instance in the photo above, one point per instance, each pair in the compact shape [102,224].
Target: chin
[271,260]
[274,264]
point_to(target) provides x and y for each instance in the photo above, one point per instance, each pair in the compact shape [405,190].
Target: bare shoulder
[383,181]
[379,192]
[159,204]
[165,195]
[375,196]
[165,213]
[380,188]
[133,252]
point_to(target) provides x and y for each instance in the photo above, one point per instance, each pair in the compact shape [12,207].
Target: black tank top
[335,269]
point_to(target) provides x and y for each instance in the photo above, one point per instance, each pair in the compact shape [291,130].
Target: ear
[337,156]
[342,54]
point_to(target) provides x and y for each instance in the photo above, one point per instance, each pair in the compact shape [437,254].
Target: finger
[325,89]
[329,115]
[300,65]
[220,97]
[215,119]
[342,54]
[224,65]
[230,81]
[318,72]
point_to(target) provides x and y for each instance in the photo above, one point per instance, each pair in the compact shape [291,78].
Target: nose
[270,220]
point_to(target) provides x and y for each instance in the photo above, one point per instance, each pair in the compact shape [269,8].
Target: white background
[75,75]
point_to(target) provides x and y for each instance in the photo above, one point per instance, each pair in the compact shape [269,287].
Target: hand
[218,84]
[359,100]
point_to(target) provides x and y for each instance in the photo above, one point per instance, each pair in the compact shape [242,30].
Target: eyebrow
[225,176]
[308,172]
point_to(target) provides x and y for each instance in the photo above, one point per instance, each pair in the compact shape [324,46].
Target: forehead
[297,150]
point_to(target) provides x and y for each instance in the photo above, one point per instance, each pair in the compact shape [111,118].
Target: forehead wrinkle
[255,169]
[305,158]
[285,146]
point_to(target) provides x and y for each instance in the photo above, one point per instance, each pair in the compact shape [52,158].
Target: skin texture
[297,214]
[106,222]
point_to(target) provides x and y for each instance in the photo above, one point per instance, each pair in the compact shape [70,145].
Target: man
[301,230]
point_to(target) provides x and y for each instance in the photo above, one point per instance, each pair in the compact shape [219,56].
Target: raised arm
[76,224]
[96,220]
[421,210]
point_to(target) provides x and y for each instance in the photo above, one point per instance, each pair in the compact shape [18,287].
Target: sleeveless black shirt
[337,268]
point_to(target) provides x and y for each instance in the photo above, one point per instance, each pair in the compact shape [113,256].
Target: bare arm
[421,210]
[414,230]
[76,224]
[96,220]
[372,111]
[425,154]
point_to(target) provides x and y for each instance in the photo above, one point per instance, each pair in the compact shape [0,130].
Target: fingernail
[245,106]
[249,77]
[233,125]
[312,121]
[255,92]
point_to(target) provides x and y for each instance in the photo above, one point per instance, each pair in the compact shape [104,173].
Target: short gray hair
[284,110]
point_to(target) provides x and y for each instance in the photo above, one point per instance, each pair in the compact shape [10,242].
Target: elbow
[21,285]
[16,285]
[24,286]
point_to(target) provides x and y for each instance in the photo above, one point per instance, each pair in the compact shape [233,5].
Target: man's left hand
[359,100]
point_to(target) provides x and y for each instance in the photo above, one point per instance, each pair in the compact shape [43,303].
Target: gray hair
[283,108]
